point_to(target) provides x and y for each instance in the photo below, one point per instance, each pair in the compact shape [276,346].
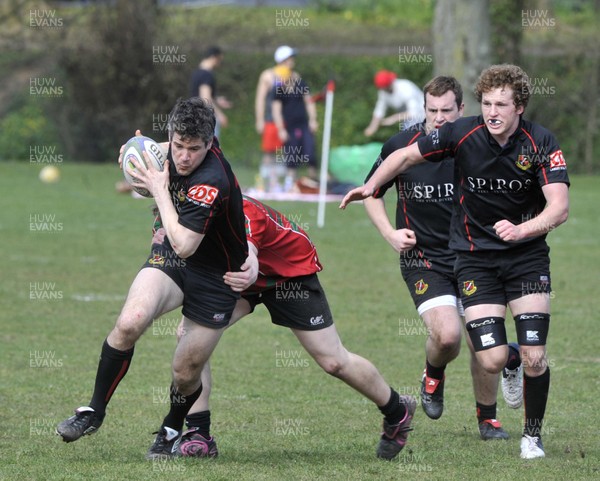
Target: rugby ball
[134,149]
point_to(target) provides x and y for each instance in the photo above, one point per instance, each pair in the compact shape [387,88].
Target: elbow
[182,251]
[560,219]
[564,215]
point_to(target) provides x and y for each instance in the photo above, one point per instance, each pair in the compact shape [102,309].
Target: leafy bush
[23,129]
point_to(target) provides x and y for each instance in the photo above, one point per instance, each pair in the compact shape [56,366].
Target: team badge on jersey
[421,287]
[469,288]
[157,260]
[523,162]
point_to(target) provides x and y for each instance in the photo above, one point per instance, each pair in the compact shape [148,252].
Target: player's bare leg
[151,294]
[168,434]
[326,348]
[536,378]
[196,345]
[485,388]
[444,327]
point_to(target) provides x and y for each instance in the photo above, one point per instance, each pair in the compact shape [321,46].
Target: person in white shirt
[400,95]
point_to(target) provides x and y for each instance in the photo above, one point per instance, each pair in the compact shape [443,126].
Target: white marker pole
[325,153]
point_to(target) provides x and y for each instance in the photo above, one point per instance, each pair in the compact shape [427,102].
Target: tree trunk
[592,100]
[461,43]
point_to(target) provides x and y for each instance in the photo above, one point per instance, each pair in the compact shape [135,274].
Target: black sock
[514,358]
[485,412]
[201,421]
[394,411]
[112,367]
[180,405]
[535,395]
[434,372]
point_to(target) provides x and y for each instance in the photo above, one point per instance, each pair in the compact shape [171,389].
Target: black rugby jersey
[495,182]
[425,195]
[209,202]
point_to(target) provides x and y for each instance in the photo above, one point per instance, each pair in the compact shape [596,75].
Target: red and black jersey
[495,182]
[425,196]
[284,249]
[209,202]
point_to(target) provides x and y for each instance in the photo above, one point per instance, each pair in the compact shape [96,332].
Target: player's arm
[378,114]
[393,119]
[373,126]
[243,279]
[183,240]
[400,239]
[398,118]
[262,90]
[277,107]
[311,110]
[554,214]
[395,163]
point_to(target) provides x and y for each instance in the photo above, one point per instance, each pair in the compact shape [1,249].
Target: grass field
[70,252]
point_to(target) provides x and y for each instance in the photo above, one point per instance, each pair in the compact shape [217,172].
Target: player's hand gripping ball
[134,149]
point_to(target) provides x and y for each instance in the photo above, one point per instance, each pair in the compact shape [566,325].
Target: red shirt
[284,249]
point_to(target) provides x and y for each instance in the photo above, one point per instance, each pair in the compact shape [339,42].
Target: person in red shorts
[288,286]
[285,58]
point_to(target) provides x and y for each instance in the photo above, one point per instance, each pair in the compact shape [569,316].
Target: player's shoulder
[536,131]
[214,170]
[461,127]
[468,123]
[267,75]
[403,139]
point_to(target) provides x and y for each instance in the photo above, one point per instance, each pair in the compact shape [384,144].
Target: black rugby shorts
[498,277]
[298,303]
[427,284]
[207,300]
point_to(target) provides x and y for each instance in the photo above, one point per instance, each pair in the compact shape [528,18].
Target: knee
[129,328]
[493,360]
[447,342]
[184,380]
[333,366]
[534,360]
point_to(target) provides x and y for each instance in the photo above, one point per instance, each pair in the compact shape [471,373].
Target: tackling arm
[242,280]
[397,162]
[400,239]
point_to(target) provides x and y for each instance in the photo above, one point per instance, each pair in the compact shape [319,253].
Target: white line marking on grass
[97,297]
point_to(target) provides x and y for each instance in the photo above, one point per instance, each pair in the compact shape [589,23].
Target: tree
[111,84]
[461,43]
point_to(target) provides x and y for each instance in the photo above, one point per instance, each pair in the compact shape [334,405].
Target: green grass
[100,241]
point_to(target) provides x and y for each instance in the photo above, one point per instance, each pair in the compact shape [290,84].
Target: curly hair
[441,84]
[505,75]
[192,118]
